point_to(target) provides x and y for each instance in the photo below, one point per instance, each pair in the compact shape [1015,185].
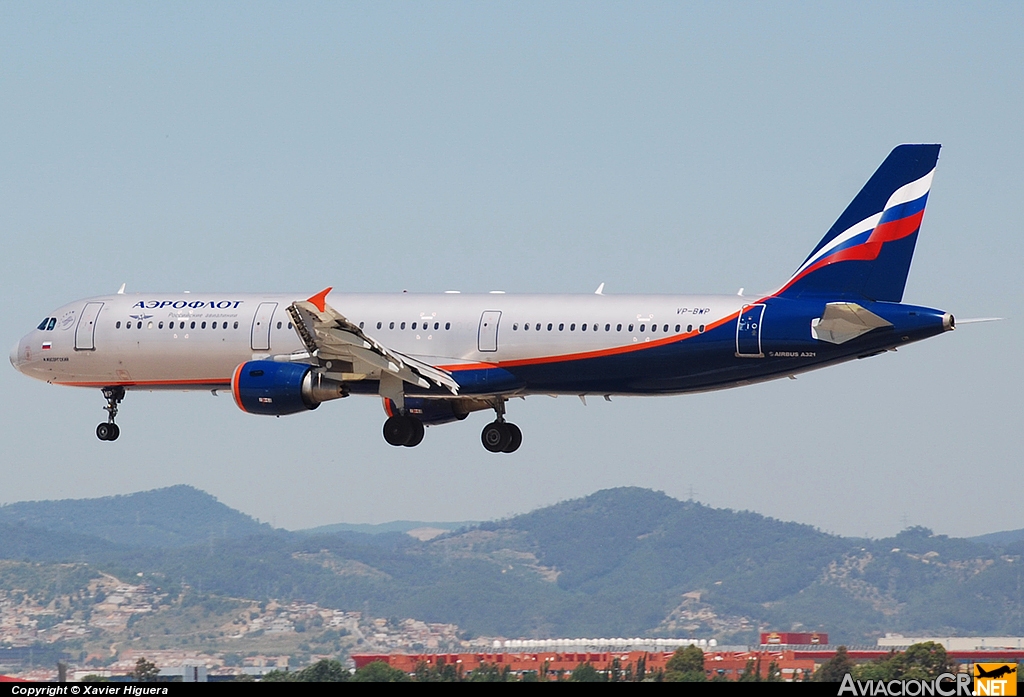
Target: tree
[324,671]
[145,671]
[833,670]
[686,665]
[924,661]
[586,673]
[774,673]
[379,671]
[752,671]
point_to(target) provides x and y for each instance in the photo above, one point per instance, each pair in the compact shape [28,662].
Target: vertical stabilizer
[867,252]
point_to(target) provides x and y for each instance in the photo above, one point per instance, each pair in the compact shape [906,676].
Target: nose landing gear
[500,436]
[110,430]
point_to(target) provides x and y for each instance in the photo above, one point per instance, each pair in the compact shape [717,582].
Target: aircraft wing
[331,338]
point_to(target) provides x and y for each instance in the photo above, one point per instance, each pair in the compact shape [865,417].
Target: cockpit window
[42,325]
[52,324]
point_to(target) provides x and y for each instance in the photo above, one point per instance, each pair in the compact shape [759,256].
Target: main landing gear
[109,430]
[500,436]
[403,430]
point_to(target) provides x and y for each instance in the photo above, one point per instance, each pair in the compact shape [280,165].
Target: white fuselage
[195,341]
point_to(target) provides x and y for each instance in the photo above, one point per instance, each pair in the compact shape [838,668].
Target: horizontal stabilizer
[842,322]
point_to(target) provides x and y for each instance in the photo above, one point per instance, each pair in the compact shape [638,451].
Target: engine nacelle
[276,389]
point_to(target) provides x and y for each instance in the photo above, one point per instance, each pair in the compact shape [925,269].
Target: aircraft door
[487,336]
[261,326]
[85,332]
[748,332]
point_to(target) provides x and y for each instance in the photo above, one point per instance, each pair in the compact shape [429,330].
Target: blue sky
[531,148]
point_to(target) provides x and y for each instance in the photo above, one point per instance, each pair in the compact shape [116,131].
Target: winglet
[320,299]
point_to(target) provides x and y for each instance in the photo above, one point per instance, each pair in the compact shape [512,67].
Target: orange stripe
[145,383]
[234,386]
[589,354]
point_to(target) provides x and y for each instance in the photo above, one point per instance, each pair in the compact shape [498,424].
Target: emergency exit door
[487,336]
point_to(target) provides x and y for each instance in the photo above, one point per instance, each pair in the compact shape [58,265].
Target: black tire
[417,432]
[398,430]
[103,431]
[515,440]
[115,431]
[495,437]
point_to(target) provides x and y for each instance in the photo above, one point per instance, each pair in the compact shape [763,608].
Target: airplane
[436,358]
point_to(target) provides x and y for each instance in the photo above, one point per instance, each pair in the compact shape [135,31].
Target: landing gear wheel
[515,440]
[403,430]
[109,430]
[496,436]
[417,433]
[397,430]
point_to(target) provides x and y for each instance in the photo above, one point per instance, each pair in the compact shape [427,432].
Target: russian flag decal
[47,345]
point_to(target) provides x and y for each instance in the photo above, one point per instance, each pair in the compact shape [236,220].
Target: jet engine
[276,389]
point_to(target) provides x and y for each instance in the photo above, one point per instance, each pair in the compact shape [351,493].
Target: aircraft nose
[16,356]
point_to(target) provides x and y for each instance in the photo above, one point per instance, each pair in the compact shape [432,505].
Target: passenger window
[654,329]
[291,327]
[537,327]
[278,325]
[642,327]
[549,326]
[391,326]
[572,327]
[618,327]
[403,326]
[526,327]
[236,325]
[193,325]
[149,325]
[631,327]
[204,326]
[700,328]
[117,326]
[379,324]
[689,327]
[677,328]
[447,325]
[213,326]
[138,325]
[360,325]
[436,325]
[52,324]
[561,326]
[665,328]
[607,327]
[160,326]
[515,327]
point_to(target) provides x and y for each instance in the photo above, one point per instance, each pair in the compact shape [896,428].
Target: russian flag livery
[867,252]
[436,358]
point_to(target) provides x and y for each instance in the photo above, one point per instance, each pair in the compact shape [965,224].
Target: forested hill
[621,562]
[171,517]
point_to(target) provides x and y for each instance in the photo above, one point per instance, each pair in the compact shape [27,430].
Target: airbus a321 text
[435,358]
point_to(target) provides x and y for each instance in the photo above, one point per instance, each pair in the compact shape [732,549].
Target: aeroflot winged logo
[191,304]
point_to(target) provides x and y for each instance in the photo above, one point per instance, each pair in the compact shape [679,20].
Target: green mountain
[173,517]
[621,562]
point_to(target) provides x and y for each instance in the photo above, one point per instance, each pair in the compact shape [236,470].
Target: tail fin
[867,252]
